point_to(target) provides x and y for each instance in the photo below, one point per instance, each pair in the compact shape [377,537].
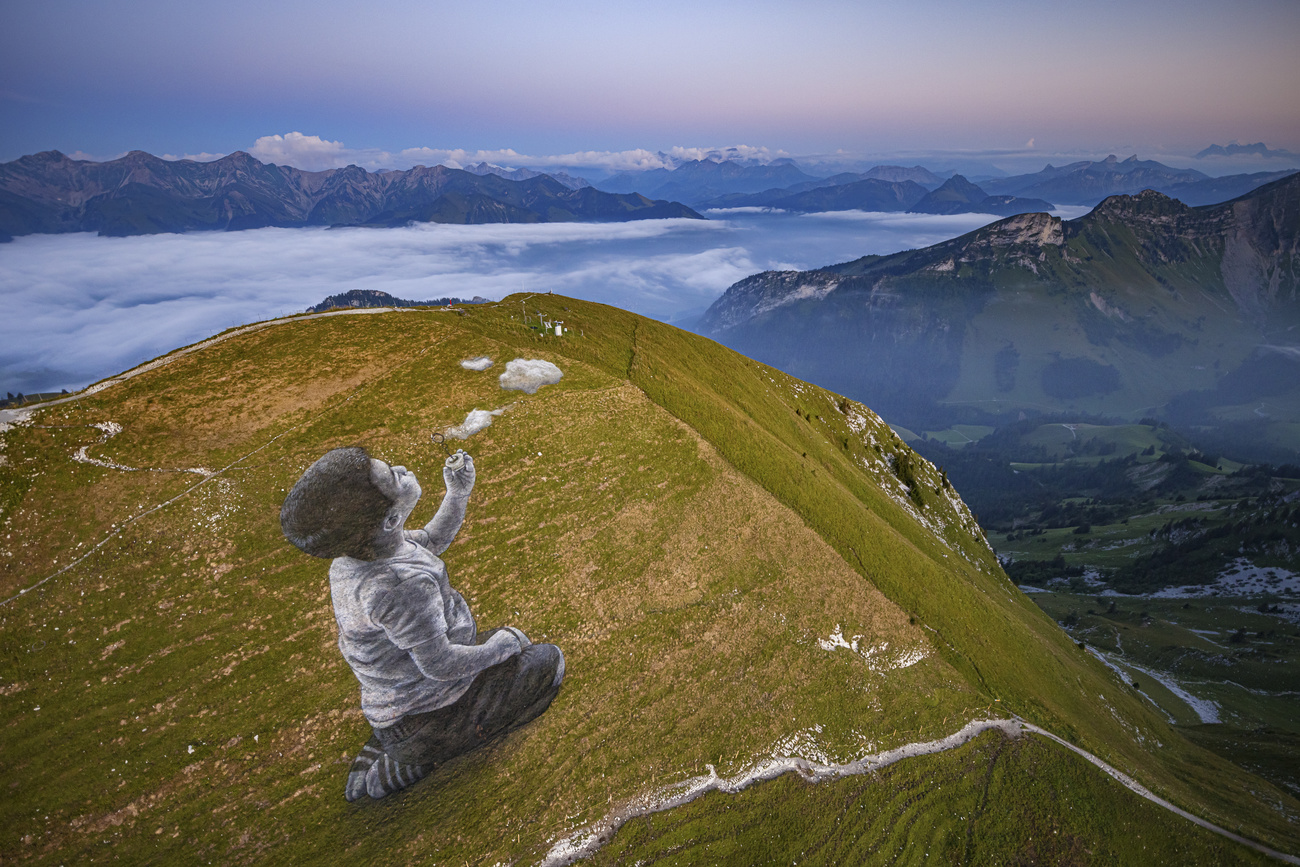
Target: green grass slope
[687,524]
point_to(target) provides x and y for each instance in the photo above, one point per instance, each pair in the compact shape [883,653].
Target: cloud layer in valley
[81,307]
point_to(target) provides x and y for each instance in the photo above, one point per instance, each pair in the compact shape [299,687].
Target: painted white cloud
[482,362]
[203,157]
[475,421]
[95,158]
[529,374]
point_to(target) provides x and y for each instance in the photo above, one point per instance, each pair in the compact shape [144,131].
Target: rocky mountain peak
[959,185]
[46,157]
[1146,204]
[1035,230]
[140,158]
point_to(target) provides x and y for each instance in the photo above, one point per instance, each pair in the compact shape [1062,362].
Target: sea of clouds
[79,308]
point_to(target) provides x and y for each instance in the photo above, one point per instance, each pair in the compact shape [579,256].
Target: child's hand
[460,481]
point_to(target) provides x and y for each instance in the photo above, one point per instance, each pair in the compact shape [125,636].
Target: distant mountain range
[1144,306]
[143,194]
[1087,183]
[698,180]
[356,298]
[729,184]
[527,174]
[953,196]
[893,174]
[1237,149]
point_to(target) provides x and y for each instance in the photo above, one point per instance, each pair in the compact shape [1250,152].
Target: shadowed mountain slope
[870,194]
[698,180]
[1117,312]
[954,196]
[141,194]
[959,196]
[737,564]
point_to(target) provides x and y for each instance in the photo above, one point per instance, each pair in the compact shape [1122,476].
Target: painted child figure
[431,687]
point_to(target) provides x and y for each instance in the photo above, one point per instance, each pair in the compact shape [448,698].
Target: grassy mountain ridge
[688,524]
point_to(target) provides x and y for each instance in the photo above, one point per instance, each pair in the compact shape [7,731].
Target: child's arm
[439,659]
[411,614]
[451,514]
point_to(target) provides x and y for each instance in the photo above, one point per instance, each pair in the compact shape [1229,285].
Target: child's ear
[392,519]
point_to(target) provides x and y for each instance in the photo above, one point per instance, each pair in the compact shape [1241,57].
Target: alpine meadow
[737,564]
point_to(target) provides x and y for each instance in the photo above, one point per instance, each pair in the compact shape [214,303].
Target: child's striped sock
[370,753]
[387,775]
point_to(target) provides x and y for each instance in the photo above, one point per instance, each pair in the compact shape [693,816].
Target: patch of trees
[1038,573]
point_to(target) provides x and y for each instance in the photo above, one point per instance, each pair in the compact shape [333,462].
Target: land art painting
[432,686]
[688,526]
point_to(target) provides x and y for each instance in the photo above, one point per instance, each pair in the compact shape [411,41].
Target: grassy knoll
[687,524]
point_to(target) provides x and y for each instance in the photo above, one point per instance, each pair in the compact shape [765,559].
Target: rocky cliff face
[141,194]
[765,292]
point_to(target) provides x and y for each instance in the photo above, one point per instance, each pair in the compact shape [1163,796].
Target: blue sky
[565,78]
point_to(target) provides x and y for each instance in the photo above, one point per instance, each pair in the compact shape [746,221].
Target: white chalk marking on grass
[1206,710]
[1124,679]
[118,529]
[112,429]
[873,655]
[587,841]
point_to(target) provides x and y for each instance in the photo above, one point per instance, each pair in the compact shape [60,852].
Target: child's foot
[370,753]
[388,775]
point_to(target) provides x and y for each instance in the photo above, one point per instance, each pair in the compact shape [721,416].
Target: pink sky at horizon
[1137,77]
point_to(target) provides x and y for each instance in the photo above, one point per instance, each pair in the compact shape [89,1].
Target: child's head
[337,510]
